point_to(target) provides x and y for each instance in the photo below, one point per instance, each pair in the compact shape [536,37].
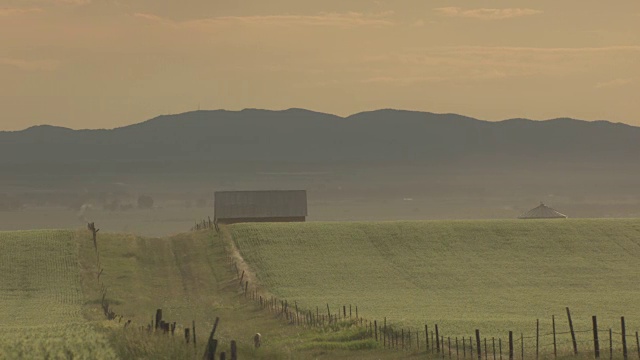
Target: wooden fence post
[486,353]
[437,339]
[464,349]
[638,344]
[596,345]
[553,324]
[234,350]
[187,335]
[510,345]
[471,346]
[500,346]
[210,352]
[212,343]
[610,344]
[442,343]
[158,317]
[573,334]
[478,344]
[493,341]
[194,333]
[522,345]
[457,349]
[624,338]
[375,325]
[537,338]
[426,337]
[384,333]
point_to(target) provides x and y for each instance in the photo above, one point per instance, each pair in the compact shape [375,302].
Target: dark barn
[232,207]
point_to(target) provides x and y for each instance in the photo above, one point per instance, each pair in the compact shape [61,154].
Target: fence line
[433,341]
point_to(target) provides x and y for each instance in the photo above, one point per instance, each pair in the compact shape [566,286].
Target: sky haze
[109,63]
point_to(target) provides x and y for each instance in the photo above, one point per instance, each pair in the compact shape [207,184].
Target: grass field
[190,278]
[41,299]
[494,276]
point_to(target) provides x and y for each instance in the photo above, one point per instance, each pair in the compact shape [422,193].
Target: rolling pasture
[41,299]
[495,276]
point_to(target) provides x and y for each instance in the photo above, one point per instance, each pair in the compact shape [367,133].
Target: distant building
[232,207]
[542,212]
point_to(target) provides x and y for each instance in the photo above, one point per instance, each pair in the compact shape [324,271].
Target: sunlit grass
[41,299]
[496,276]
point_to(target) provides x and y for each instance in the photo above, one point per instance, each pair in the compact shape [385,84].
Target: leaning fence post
[573,334]
[596,345]
[426,336]
[437,339]
[210,353]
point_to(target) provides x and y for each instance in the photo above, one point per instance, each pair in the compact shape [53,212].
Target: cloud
[6,12]
[486,14]
[30,65]
[613,83]
[344,20]
[65,2]
[476,63]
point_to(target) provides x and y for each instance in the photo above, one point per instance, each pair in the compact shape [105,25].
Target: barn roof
[542,212]
[260,204]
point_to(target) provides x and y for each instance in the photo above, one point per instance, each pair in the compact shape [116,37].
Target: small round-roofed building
[542,212]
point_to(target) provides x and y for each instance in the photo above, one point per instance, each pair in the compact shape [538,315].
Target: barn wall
[273,219]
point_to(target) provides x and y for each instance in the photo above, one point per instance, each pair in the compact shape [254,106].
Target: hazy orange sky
[108,63]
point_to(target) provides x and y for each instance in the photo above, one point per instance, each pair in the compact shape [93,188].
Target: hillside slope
[463,275]
[190,277]
[41,299]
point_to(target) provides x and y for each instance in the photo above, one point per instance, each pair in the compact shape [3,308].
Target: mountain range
[302,136]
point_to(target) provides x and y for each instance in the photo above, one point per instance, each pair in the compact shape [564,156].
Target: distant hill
[302,136]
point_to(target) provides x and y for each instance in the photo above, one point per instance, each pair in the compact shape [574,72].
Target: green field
[50,301]
[41,299]
[495,276]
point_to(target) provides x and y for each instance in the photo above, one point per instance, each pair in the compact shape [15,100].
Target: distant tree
[145,202]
